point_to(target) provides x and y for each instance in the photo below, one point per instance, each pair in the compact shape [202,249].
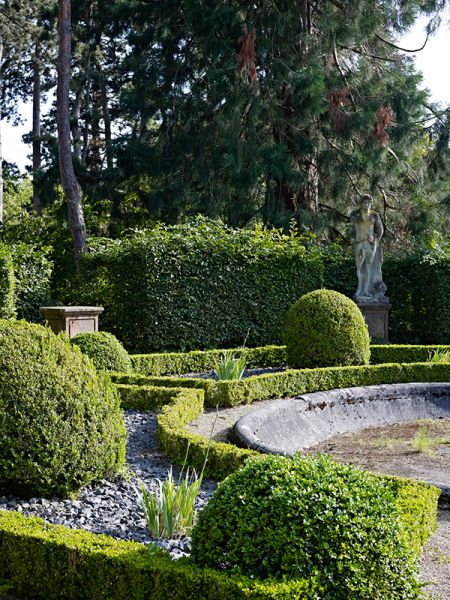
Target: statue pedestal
[376,315]
[72,319]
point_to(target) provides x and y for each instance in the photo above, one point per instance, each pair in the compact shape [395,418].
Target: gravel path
[435,563]
[111,507]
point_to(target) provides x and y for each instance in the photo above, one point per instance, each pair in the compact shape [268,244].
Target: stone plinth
[72,319]
[376,315]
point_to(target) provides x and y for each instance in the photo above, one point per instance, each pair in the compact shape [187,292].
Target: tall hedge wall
[33,271]
[7,284]
[199,286]
[418,289]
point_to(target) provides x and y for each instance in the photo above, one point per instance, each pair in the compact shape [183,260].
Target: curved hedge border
[53,562]
[294,382]
[172,363]
[416,501]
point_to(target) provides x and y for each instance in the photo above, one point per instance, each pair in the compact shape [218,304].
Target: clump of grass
[229,367]
[385,442]
[439,356]
[423,442]
[169,509]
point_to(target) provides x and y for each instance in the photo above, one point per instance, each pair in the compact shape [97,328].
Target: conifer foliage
[320,98]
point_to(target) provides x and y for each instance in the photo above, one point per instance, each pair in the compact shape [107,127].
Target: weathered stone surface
[376,316]
[368,231]
[72,319]
[287,426]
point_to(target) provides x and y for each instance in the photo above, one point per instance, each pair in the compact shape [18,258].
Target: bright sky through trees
[431,61]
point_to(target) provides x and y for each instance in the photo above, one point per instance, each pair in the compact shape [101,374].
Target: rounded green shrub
[326,329]
[308,517]
[61,425]
[105,350]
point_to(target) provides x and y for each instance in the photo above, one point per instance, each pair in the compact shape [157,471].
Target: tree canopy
[262,112]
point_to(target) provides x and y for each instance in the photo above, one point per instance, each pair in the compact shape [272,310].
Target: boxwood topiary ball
[105,350]
[325,329]
[61,425]
[308,517]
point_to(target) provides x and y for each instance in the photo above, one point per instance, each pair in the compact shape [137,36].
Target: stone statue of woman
[368,253]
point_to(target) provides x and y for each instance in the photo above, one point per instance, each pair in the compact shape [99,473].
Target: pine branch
[398,47]
[337,4]
[375,56]
[339,68]
[334,211]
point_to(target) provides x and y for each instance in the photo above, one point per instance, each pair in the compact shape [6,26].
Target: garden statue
[368,253]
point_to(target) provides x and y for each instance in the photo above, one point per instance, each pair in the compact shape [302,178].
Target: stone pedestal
[376,315]
[72,319]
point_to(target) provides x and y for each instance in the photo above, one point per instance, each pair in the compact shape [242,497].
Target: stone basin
[290,425]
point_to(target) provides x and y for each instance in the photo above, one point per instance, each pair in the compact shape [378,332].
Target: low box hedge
[177,363]
[416,501]
[172,363]
[179,407]
[53,562]
[46,561]
[294,382]
[398,353]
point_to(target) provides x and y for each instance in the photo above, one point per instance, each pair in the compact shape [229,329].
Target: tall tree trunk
[308,196]
[95,158]
[87,109]
[1,118]
[107,122]
[68,179]
[37,206]
[304,198]
[80,97]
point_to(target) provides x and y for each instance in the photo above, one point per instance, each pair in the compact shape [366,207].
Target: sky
[430,61]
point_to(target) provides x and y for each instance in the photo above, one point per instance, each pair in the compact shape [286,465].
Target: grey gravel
[111,506]
[245,374]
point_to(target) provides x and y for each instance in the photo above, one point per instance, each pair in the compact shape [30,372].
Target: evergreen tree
[267,110]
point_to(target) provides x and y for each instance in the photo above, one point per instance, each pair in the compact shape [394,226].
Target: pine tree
[267,110]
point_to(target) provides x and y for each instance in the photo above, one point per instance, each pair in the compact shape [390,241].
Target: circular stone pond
[351,423]
[289,425]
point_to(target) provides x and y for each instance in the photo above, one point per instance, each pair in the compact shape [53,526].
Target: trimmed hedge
[289,517]
[390,353]
[105,351]
[52,562]
[45,561]
[417,503]
[184,407]
[419,291]
[145,397]
[416,500]
[294,382]
[199,285]
[173,363]
[33,270]
[61,426]
[7,284]
[202,285]
[324,329]
[418,288]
